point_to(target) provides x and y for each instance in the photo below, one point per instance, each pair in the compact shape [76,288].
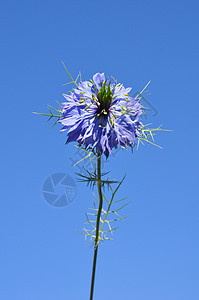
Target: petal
[98,78]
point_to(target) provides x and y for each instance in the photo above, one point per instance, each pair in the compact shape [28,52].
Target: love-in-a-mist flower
[100,114]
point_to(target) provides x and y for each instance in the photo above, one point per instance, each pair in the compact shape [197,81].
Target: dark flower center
[104,96]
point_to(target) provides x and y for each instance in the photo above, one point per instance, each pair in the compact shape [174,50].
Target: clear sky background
[154,254]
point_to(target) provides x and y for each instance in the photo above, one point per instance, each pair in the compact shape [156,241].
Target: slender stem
[97,222]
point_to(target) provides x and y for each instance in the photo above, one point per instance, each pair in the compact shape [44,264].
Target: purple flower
[101,115]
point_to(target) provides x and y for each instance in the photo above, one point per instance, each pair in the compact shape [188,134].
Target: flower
[101,115]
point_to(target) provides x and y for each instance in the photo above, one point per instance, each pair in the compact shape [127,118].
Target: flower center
[104,96]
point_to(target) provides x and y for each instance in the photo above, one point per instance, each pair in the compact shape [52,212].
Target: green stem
[97,222]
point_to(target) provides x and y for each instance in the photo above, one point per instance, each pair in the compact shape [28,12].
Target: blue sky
[154,254]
